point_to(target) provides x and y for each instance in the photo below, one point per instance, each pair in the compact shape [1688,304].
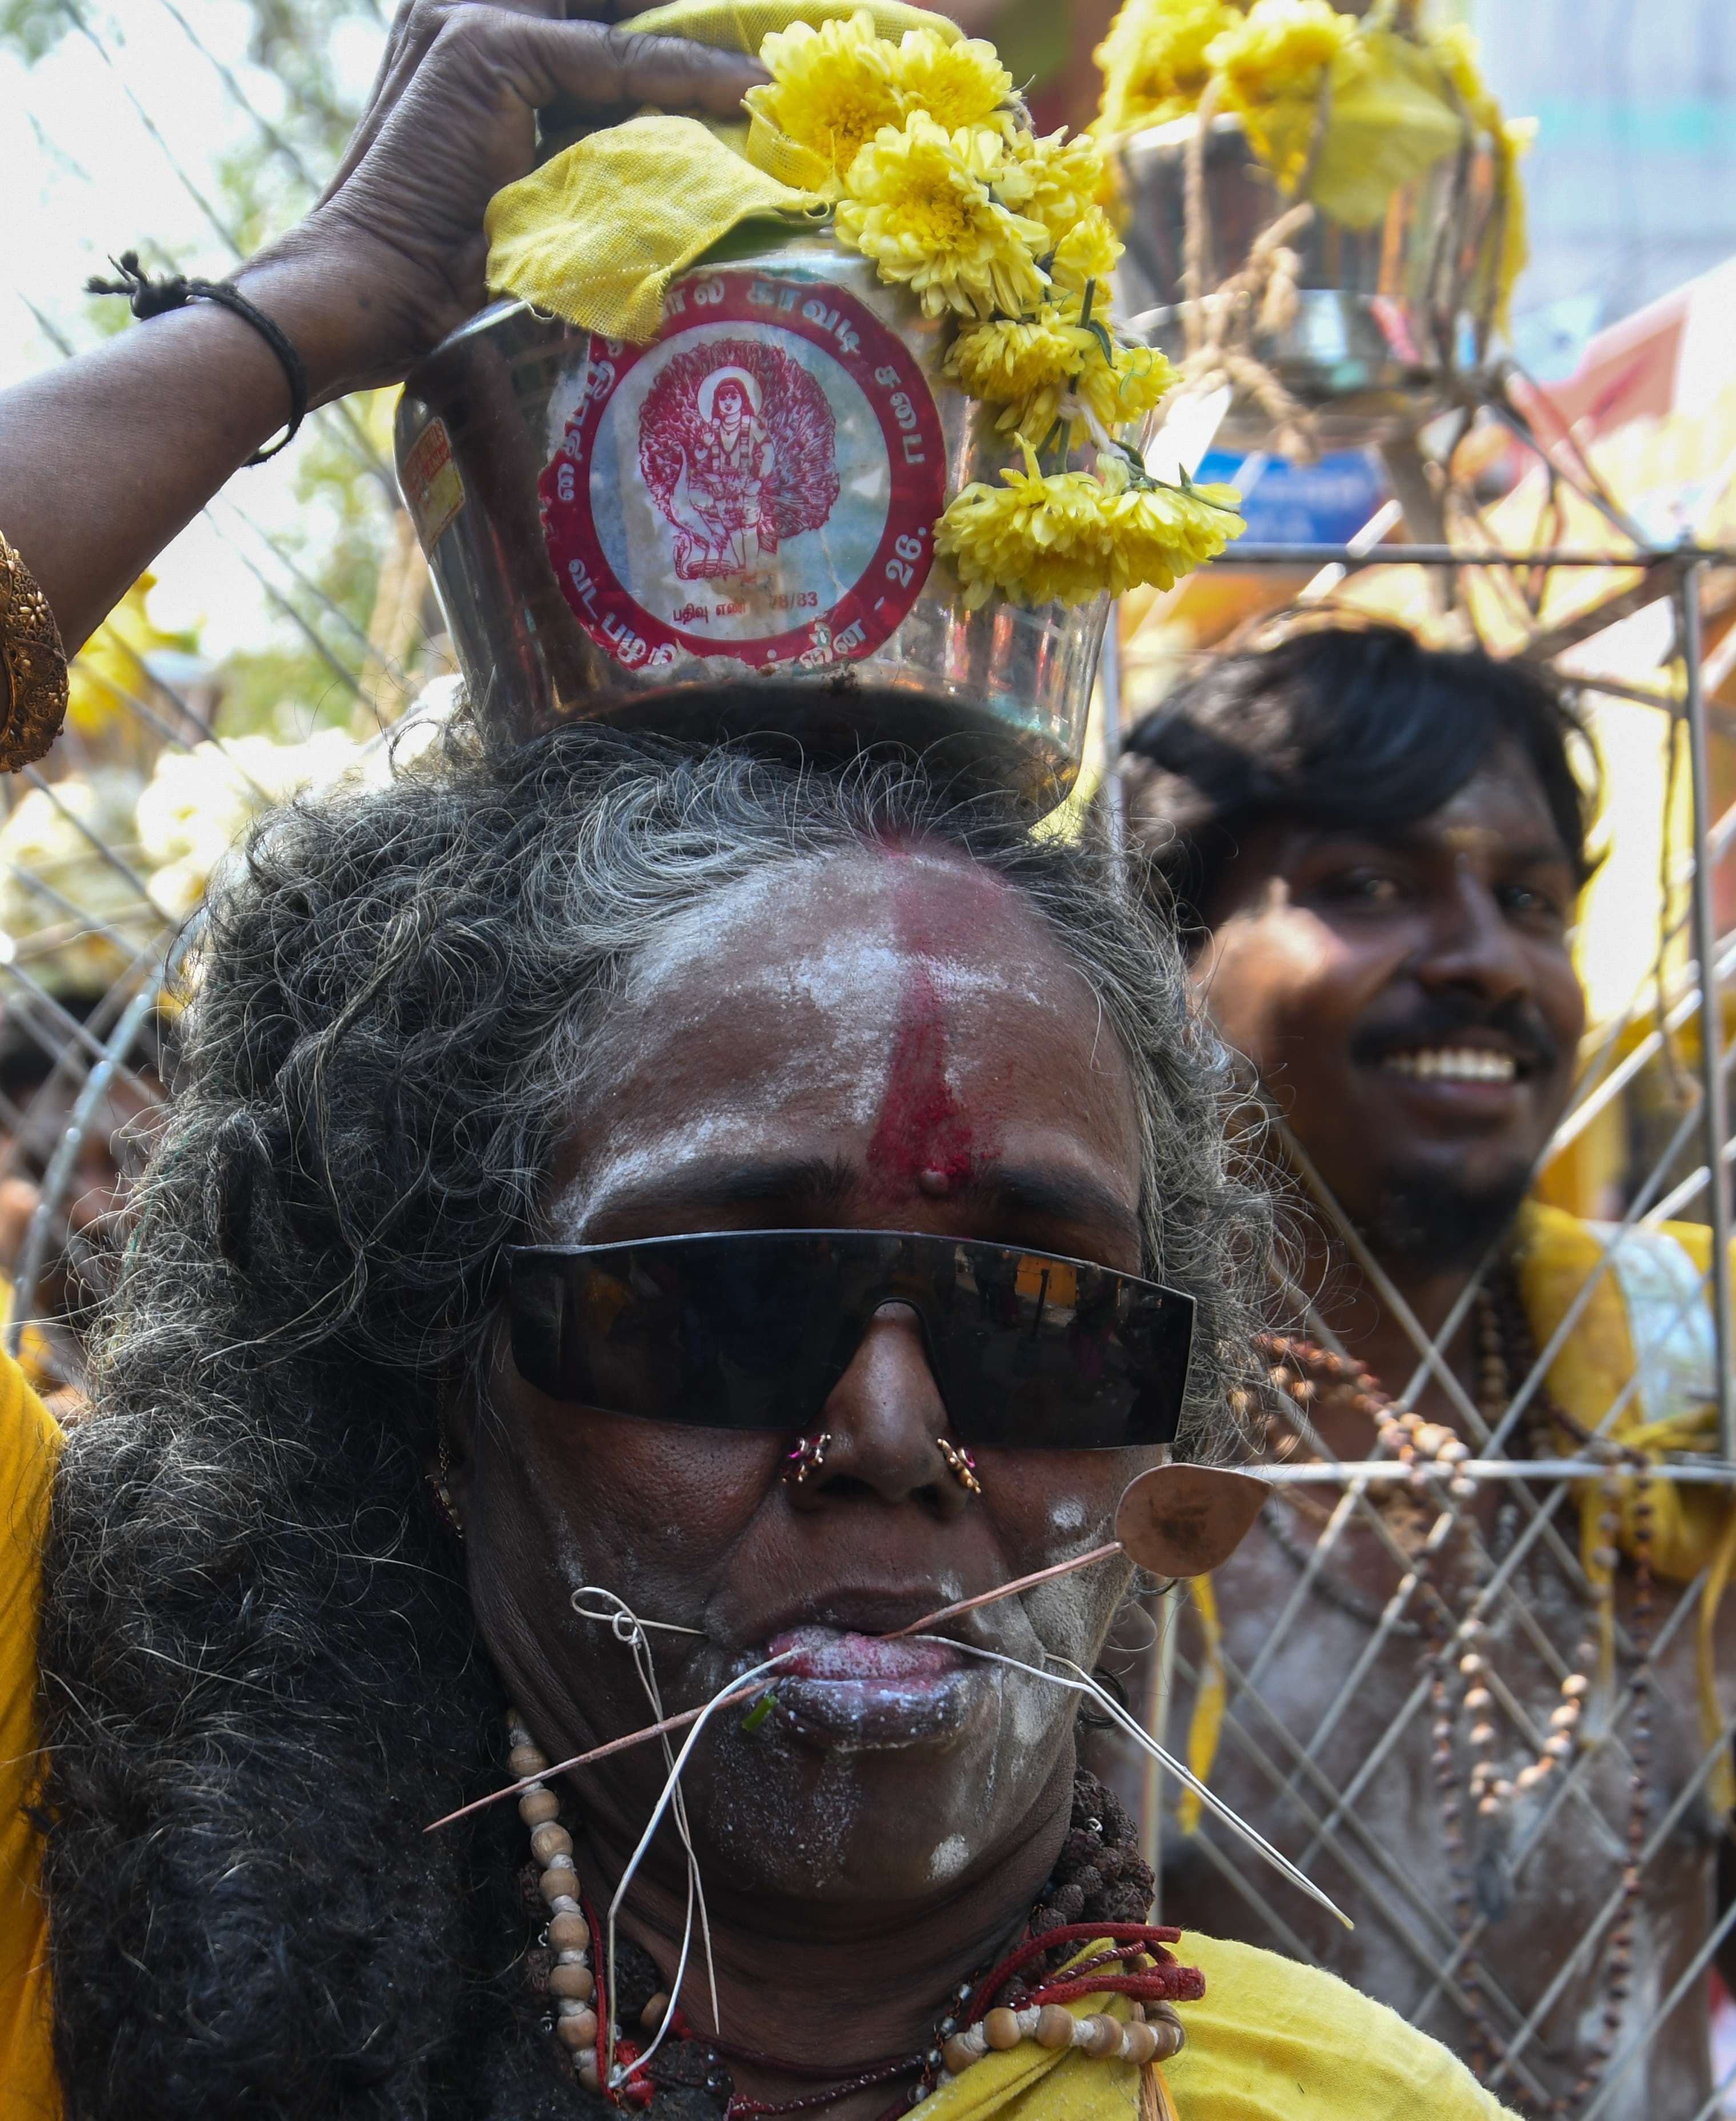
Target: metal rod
[1108,679]
[1245,554]
[1714,1472]
[1714,1111]
[1007,1590]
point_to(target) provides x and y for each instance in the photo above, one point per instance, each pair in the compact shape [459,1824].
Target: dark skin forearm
[104,459]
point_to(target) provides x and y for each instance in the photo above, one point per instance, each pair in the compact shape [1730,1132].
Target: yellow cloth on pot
[1389,117]
[597,234]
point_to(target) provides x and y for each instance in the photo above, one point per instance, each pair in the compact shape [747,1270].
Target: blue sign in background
[1316,504]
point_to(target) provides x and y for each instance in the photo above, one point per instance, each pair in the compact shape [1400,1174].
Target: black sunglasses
[752,1329]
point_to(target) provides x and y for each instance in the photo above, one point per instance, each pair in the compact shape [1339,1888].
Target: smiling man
[1376,852]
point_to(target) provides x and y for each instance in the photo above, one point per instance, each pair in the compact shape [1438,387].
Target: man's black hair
[1342,726]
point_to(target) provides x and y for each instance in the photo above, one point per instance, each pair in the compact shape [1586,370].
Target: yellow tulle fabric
[596,233]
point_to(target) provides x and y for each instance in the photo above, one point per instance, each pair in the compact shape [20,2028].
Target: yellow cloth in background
[1206,1725]
[597,234]
[1692,1528]
[1391,118]
[28,1441]
[1272,2040]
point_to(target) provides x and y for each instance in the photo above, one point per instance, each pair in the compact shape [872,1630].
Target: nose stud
[806,1459]
[961,1465]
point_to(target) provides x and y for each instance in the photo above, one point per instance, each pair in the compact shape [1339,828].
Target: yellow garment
[34,1355]
[29,1440]
[1692,1528]
[1272,2040]
[1205,1726]
[596,235]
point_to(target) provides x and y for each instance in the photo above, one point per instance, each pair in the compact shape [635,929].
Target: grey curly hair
[261,1677]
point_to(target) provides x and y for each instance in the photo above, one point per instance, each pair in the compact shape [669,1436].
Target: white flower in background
[200,802]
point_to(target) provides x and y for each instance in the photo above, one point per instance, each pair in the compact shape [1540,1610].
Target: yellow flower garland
[922,203]
[1069,537]
[831,91]
[928,152]
[1031,367]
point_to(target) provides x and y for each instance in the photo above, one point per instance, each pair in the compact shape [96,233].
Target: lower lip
[865,1691]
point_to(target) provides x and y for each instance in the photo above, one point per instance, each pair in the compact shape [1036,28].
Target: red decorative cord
[632,2091]
[1165,1981]
[740,2109]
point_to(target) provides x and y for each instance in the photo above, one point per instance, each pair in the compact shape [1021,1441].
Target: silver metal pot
[1384,313]
[730,530]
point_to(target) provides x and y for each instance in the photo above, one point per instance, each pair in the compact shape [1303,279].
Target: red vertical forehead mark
[924,1140]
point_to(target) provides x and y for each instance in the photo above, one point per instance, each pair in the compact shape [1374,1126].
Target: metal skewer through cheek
[1084,1684]
[741,1688]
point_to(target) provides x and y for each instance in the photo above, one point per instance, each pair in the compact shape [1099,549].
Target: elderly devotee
[634,1228]
[1374,852]
[338,1552]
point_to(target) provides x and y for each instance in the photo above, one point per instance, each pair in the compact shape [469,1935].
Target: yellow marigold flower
[1089,251]
[1034,539]
[1154,59]
[961,83]
[1033,367]
[1158,534]
[918,202]
[1055,179]
[831,89]
[1279,51]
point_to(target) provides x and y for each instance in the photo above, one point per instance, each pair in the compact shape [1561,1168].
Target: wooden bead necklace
[1022,1998]
[1462,1701]
[571,1984]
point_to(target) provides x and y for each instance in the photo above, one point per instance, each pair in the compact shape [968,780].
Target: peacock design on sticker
[739,449]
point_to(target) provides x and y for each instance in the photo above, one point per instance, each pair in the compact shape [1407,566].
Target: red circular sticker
[761,481]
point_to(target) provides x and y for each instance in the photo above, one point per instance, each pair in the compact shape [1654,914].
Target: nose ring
[961,1465]
[806,1459]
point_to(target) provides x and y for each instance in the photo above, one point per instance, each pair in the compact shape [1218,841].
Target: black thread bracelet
[154,298]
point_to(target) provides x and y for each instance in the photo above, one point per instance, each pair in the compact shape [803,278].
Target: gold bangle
[34,663]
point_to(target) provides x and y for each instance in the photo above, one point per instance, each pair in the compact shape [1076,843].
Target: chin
[853,1808]
[1446,1220]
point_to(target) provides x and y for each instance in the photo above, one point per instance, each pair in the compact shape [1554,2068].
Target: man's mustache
[1442,1019]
